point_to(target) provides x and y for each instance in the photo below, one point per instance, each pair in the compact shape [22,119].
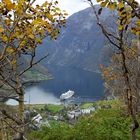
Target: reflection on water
[39,96]
[35,95]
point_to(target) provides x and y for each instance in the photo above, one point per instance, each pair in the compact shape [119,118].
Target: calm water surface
[87,85]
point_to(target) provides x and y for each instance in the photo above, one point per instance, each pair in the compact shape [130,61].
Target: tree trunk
[20,93]
[21,104]
[21,107]
[130,98]
[138,73]
[135,126]
[1,131]
[133,135]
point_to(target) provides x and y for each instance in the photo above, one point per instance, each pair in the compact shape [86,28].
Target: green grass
[50,107]
[35,106]
[86,105]
[54,108]
[103,124]
[34,75]
[112,103]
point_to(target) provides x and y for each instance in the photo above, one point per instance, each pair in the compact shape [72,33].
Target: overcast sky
[71,6]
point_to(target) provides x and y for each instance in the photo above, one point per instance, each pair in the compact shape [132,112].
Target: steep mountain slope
[81,44]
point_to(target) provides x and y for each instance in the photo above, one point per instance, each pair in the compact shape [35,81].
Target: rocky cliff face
[81,44]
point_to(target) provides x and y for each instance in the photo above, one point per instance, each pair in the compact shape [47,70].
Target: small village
[67,112]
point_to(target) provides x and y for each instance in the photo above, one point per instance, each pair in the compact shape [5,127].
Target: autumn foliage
[23,26]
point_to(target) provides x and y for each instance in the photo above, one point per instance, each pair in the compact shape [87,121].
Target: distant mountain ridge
[81,44]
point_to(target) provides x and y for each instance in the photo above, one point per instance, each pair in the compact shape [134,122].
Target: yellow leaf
[120,27]
[13,61]
[118,21]
[1,30]
[20,36]
[106,72]
[138,22]
[49,16]
[103,4]
[19,9]
[120,5]
[45,4]
[38,40]
[9,4]
[23,43]
[4,38]
[138,33]
[36,21]
[133,30]
[123,15]
[31,36]
[57,9]
[111,6]
[66,14]
[49,30]
[9,50]
[99,0]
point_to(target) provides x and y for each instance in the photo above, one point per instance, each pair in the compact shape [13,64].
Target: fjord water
[87,85]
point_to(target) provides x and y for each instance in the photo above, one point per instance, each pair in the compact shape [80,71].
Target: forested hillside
[81,42]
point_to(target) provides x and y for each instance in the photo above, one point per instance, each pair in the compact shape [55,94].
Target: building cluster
[74,114]
[70,113]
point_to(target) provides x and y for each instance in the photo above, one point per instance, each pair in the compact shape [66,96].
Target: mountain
[81,44]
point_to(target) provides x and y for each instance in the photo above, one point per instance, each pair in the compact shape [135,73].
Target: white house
[37,118]
[88,110]
[74,114]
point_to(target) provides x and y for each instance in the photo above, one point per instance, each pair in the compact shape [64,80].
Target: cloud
[71,6]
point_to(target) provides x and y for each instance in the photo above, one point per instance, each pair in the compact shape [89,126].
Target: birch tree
[23,26]
[128,14]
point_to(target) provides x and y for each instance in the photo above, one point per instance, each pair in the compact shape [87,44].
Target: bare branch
[33,63]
